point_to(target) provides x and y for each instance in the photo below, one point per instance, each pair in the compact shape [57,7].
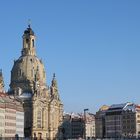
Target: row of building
[33,109]
[75,125]
[115,121]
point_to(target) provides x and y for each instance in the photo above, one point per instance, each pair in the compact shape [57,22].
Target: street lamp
[85,110]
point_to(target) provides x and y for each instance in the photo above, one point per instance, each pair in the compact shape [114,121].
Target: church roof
[29,31]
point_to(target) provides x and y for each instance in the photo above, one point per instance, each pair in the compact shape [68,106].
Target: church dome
[28,69]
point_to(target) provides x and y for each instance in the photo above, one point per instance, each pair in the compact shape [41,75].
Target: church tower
[54,89]
[28,42]
[57,107]
[28,69]
[28,84]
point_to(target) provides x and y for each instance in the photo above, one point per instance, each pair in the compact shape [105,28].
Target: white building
[90,126]
[19,120]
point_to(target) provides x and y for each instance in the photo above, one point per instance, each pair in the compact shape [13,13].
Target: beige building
[90,126]
[42,105]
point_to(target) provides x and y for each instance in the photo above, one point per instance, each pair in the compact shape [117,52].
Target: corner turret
[54,88]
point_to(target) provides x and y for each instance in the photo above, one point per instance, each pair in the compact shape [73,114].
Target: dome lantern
[28,42]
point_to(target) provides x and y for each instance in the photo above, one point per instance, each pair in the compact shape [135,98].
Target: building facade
[76,126]
[42,105]
[9,124]
[123,121]
[131,121]
[19,120]
[73,126]
[90,126]
[100,122]
[66,126]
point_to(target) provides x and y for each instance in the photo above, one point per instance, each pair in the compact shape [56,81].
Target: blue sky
[93,46]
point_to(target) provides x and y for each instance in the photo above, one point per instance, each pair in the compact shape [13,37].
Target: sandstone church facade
[42,105]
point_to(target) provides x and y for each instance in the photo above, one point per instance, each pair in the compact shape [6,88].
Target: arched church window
[32,72]
[20,72]
[33,42]
[27,43]
[39,119]
[27,40]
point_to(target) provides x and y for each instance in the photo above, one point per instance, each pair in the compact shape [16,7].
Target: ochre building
[42,105]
